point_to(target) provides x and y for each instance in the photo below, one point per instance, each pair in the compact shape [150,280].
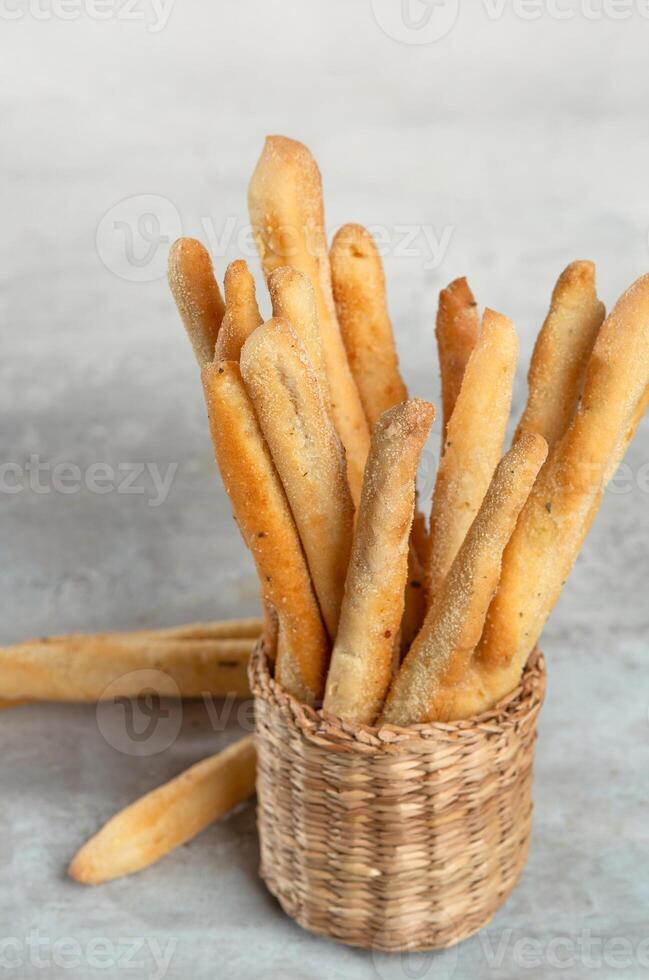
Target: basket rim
[520,706]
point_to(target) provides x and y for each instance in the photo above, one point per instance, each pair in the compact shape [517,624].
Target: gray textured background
[520,144]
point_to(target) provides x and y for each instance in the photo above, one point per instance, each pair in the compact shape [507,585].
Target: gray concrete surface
[503,149]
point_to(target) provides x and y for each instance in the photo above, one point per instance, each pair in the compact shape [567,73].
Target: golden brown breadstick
[474,442]
[197,295]
[168,816]
[220,629]
[90,667]
[242,314]
[361,306]
[457,330]
[361,662]
[429,685]
[287,215]
[265,521]
[416,603]
[293,300]
[307,453]
[561,353]
[558,514]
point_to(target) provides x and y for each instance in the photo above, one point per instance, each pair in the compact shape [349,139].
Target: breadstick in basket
[561,353]
[241,312]
[265,521]
[168,816]
[359,293]
[457,329]
[287,215]
[556,518]
[361,662]
[197,295]
[307,453]
[293,300]
[474,441]
[429,685]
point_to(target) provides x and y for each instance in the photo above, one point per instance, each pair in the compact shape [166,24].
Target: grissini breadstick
[556,518]
[88,668]
[242,314]
[429,685]
[220,629]
[307,453]
[561,353]
[267,526]
[293,300]
[287,216]
[457,328]
[361,306]
[197,295]
[168,816]
[361,661]
[416,603]
[474,443]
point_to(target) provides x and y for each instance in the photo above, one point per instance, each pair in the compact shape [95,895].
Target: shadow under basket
[392,838]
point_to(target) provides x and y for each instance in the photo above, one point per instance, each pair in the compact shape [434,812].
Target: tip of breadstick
[186,252]
[235,271]
[286,275]
[458,292]
[532,446]
[354,240]
[579,275]
[286,151]
[406,417]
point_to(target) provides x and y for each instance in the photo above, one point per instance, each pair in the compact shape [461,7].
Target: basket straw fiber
[393,839]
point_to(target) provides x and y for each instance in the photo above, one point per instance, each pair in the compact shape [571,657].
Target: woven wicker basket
[393,839]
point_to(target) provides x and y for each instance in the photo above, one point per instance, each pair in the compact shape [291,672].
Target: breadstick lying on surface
[169,816]
[220,629]
[293,300]
[457,328]
[197,295]
[474,442]
[287,216]
[429,685]
[262,512]
[556,518]
[361,306]
[361,662]
[242,314]
[89,668]
[561,353]
[307,454]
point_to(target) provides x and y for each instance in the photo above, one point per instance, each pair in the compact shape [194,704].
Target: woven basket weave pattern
[393,839]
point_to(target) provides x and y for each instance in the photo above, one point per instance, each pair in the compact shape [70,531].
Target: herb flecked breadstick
[359,293]
[307,454]
[287,215]
[197,295]
[556,518]
[241,312]
[561,353]
[429,685]
[266,523]
[361,664]
[457,328]
[474,442]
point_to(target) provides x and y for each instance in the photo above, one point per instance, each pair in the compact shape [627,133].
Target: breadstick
[429,685]
[361,306]
[168,816]
[457,330]
[556,518]
[416,603]
[221,629]
[287,215]
[561,353]
[241,312]
[197,295]
[474,443]
[307,453]
[265,521]
[292,298]
[361,662]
